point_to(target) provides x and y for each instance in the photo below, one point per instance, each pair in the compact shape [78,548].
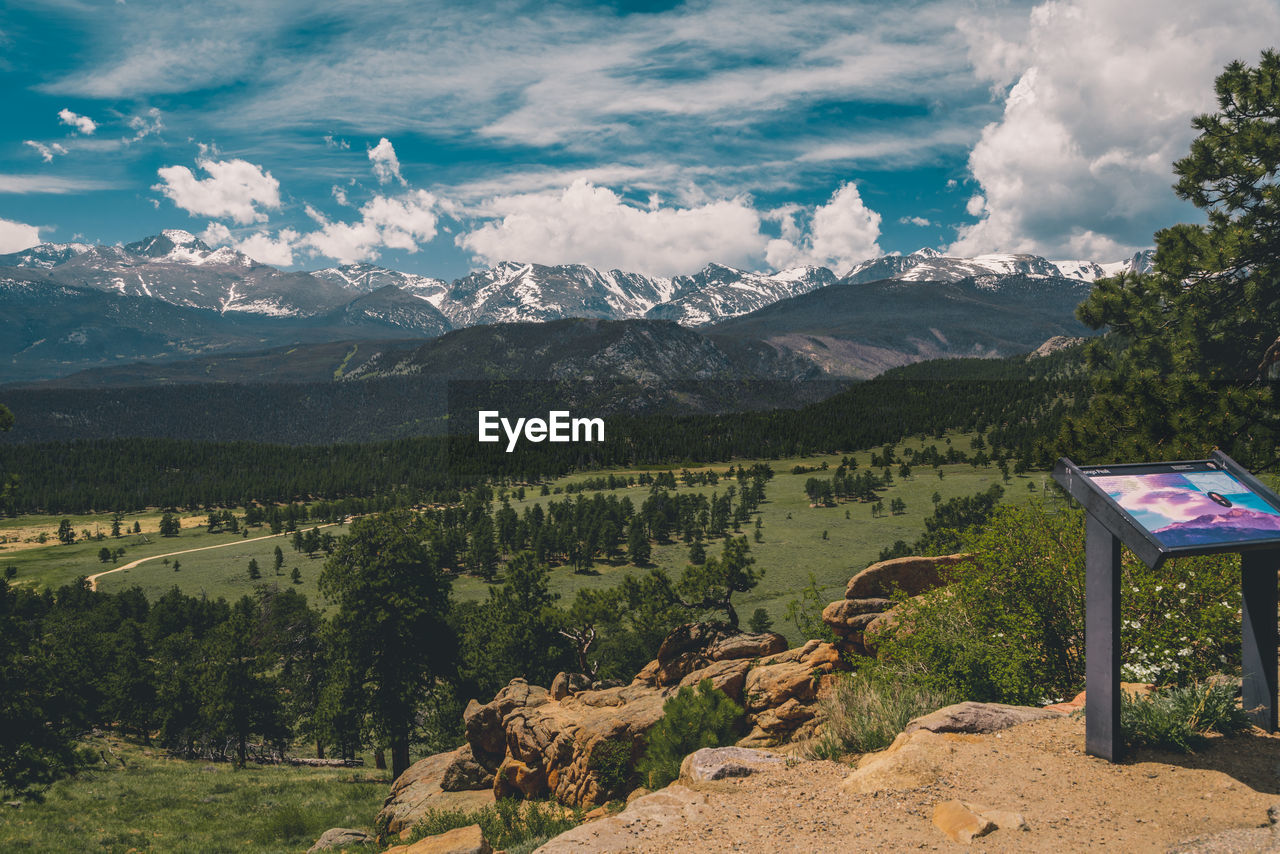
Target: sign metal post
[1163,510]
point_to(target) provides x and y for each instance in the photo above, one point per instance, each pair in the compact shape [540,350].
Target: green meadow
[829,543]
[135,799]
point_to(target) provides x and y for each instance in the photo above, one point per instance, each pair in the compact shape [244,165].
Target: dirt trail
[93,579]
[1071,802]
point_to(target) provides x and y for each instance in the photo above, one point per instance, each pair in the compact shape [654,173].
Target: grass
[868,708]
[794,544]
[155,803]
[510,825]
[1178,718]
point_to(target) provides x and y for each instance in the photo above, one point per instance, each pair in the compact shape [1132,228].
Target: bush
[610,762]
[867,709]
[509,824]
[1010,625]
[1178,718]
[690,721]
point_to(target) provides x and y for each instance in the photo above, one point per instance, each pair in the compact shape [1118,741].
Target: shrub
[1178,717]
[610,762]
[1010,625]
[690,721]
[867,708]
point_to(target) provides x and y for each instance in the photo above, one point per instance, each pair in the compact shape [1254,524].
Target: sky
[439,138]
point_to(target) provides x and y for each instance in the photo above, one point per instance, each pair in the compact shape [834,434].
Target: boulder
[419,790]
[717,763]
[484,725]
[460,840]
[340,837]
[568,683]
[977,718]
[642,817]
[515,779]
[850,617]
[693,646]
[912,575]
[466,772]
[913,760]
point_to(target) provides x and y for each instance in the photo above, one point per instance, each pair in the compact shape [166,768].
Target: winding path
[93,579]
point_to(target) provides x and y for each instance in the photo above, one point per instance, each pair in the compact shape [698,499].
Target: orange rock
[960,823]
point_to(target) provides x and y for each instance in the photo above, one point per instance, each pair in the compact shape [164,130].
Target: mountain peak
[925,252]
[162,245]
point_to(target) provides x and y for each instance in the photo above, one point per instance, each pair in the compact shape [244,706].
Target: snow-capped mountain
[511,292]
[369,278]
[929,265]
[718,292]
[44,256]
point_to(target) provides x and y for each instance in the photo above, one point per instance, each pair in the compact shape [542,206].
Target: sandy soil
[1070,801]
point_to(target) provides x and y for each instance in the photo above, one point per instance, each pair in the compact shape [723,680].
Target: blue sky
[438,138]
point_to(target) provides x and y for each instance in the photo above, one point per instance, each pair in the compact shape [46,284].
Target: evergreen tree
[279,559]
[393,604]
[254,572]
[712,585]
[66,533]
[638,550]
[1194,360]
[169,525]
[296,576]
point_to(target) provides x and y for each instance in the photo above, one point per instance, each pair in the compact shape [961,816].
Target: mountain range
[68,307]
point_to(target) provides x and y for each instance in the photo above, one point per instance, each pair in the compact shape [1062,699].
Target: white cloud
[276,251]
[586,224]
[261,246]
[52,184]
[330,141]
[915,220]
[234,189]
[842,232]
[16,236]
[393,223]
[145,125]
[1080,164]
[83,124]
[386,166]
[47,152]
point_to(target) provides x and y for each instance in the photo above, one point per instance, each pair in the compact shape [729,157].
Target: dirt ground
[1152,802]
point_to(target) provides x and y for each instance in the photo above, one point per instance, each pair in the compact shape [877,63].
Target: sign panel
[1160,510]
[1189,505]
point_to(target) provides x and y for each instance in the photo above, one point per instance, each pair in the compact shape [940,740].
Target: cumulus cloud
[1102,96]
[82,124]
[331,141]
[16,236]
[915,220]
[386,166]
[586,224]
[47,152]
[261,246]
[401,222]
[235,189]
[842,232]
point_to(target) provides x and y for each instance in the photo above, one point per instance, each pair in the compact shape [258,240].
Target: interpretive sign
[1163,510]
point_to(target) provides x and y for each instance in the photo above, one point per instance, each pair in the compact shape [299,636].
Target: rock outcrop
[530,742]
[719,763]
[642,817]
[420,789]
[867,608]
[978,718]
[460,840]
[337,838]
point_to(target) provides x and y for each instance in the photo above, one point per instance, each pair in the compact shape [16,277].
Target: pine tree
[254,572]
[638,551]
